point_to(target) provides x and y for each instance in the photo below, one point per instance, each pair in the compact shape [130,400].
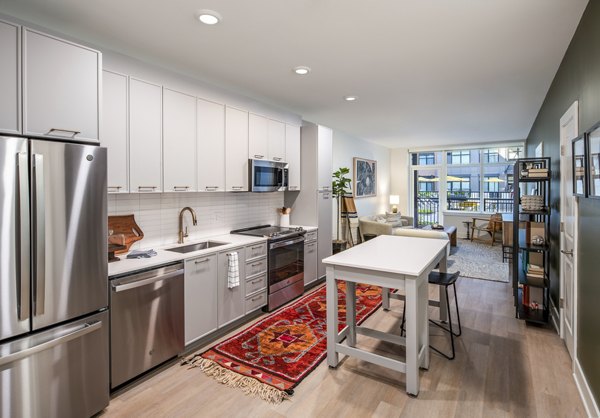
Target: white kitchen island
[393,262]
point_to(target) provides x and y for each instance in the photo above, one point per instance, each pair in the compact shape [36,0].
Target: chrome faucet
[183,235]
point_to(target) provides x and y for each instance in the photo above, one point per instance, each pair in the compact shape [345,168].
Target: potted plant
[340,187]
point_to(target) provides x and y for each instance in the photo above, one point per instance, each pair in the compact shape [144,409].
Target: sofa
[384,224]
[424,233]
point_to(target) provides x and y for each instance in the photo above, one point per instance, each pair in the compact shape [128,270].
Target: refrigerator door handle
[23,225]
[40,234]
[28,352]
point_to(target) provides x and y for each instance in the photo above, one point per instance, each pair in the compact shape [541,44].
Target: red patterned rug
[270,357]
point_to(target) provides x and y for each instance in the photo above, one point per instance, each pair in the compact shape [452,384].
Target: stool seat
[443,279]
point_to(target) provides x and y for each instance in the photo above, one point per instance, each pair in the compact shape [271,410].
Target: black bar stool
[446,280]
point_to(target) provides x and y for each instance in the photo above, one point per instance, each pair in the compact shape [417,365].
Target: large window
[476,179]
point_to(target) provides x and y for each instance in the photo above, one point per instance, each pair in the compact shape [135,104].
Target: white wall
[345,148]
[400,178]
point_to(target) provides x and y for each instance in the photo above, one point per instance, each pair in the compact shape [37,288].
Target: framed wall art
[593,162]
[579,166]
[365,177]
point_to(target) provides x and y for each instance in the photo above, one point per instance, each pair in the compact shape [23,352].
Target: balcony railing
[428,208]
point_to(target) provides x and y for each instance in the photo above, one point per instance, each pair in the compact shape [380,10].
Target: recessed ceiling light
[350,98]
[208,17]
[302,70]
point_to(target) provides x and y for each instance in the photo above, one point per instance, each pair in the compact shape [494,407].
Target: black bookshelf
[531,291]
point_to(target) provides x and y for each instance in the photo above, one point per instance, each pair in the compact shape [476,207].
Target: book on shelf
[538,175]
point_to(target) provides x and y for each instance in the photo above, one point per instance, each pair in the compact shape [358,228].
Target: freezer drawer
[146,321]
[62,372]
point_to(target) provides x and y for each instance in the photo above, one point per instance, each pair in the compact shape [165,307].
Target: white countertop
[392,254]
[126,265]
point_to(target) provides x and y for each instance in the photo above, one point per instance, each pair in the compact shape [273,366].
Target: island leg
[332,317]
[412,336]
[351,312]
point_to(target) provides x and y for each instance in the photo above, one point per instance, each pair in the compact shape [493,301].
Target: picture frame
[579,166]
[364,177]
[593,162]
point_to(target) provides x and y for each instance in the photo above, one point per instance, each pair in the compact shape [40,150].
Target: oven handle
[286,243]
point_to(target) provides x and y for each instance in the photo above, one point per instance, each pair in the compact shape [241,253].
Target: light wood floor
[503,368]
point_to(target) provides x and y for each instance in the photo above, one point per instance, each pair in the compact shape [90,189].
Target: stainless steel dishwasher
[146,321]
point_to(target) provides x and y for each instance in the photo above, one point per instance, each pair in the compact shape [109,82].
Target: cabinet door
[292,156]
[276,140]
[179,142]
[310,262]
[324,156]
[10,78]
[211,146]
[258,132]
[236,150]
[115,130]
[230,303]
[201,295]
[61,82]
[145,136]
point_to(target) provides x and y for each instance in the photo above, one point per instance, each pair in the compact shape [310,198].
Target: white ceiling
[427,72]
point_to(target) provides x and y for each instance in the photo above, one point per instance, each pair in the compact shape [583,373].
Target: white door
[211,146]
[145,136]
[258,131]
[10,78]
[179,142]
[115,130]
[292,156]
[236,150]
[276,138]
[569,128]
[60,88]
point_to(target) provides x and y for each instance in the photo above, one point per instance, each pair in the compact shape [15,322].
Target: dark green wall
[578,78]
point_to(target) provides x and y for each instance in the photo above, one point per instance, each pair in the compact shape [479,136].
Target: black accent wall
[578,78]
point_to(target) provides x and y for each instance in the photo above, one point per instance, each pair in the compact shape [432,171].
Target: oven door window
[267,176]
[286,262]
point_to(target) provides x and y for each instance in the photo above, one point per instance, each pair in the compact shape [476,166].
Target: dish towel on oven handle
[233,270]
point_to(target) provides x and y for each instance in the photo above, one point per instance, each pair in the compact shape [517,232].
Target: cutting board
[126,226]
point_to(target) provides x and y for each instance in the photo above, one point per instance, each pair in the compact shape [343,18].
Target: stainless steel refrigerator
[54,358]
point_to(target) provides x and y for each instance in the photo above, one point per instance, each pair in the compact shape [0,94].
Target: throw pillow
[393,217]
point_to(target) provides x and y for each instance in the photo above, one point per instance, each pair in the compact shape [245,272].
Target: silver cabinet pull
[23,225]
[117,188]
[142,188]
[211,188]
[237,187]
[258,247]
[180,188]
[256,264]
[258,156]
[70,133]
[85,329]
[146,282]
[256,298]
[277,158]
[256,281]
[201,261]
[292,187]
[570,252]
[40,233]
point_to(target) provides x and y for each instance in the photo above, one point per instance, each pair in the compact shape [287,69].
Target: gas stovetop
[269,231]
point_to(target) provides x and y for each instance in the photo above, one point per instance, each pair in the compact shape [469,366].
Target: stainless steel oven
[286,270]
[267,176]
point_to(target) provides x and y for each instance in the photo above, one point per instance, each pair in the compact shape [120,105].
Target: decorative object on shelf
[579,163]
[365,177]
[532,170]
[340,187]
[394,201]
[125,225]
[537,240]
[593,166]
[532,203]
[284,216]
[271,357]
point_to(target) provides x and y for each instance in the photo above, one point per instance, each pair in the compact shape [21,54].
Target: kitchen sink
[196,247]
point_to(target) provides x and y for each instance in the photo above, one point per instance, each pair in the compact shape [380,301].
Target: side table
[468,225]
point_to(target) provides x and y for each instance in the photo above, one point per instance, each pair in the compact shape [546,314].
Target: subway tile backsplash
[217,213]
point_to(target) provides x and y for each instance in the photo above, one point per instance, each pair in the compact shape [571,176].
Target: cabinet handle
[257,247]
[256,298]
[178,188]
[310,245]
[277,158]
[237,187]
[325,187]
[256,264]
[201,261]
[141,188]
[72,133]
[118,188]
[256,281]
[211,188]
[258,156]
[292,187]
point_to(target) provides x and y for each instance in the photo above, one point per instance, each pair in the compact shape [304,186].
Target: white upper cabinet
[258,141]
[236,150]
[115,131]
[276,140]
[10,78]
[210,123]
[145,136]
[60,88]
[292,156]
[179,142]
[324,168]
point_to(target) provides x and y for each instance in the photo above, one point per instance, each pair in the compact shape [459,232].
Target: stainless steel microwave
[267,176]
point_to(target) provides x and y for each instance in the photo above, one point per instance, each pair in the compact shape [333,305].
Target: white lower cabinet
[310,261]
[200,297]
[230,302]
